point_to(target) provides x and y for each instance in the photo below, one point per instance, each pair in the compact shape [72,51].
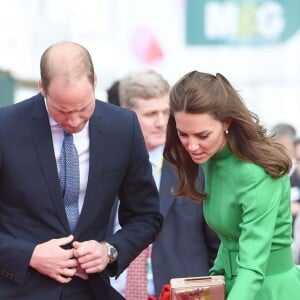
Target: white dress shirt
[82,144]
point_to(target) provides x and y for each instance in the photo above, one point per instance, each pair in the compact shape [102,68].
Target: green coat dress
[251,213]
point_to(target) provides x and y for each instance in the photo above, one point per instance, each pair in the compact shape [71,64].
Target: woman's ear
[227,123]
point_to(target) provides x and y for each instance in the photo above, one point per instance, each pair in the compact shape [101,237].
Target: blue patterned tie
[69,179]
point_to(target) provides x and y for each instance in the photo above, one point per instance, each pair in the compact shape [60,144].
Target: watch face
[112,252]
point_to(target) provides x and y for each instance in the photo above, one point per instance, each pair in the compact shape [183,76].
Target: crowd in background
[288,136]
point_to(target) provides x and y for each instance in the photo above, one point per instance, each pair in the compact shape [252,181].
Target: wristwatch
[111,251]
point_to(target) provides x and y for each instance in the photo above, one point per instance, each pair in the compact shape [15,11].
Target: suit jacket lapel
[167,183]
[96,151]
[44,145]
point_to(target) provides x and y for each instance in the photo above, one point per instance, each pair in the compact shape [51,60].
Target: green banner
[241,22]
[7,88]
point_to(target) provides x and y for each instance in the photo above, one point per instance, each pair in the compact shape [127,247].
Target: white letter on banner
[220,20]
[270,20]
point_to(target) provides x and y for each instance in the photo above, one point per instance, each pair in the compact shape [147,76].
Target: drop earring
[226,131]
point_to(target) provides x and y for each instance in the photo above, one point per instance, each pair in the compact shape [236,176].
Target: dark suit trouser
[77,289]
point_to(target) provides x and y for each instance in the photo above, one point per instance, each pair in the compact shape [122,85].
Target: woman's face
[201,135]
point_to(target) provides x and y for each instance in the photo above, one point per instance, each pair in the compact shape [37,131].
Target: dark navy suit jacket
[185,246]
[31,204]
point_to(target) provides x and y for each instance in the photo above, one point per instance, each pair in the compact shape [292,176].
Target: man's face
[70,104]
[153,116]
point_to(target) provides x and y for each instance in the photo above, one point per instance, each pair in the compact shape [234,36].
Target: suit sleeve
[217,268]
[212,243]
[138,213]
[15,254]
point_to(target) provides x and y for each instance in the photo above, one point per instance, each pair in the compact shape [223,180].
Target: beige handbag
[198,288]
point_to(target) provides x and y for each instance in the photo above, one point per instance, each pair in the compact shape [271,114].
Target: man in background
[186,246]
[113,93]
[286,135]
[295,196]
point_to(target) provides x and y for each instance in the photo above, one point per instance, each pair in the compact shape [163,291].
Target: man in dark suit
[41,258]
[186,246]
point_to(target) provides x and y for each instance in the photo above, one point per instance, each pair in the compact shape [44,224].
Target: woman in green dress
[247,190]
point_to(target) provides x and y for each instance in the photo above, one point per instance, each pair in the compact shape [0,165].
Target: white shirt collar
[155,155]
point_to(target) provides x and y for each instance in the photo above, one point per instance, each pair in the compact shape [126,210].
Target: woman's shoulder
[250,172]
[254,175]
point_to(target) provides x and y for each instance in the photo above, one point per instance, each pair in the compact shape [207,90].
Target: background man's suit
[31,204]
[185,246]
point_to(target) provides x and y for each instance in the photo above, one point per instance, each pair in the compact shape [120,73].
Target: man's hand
[51,259]
[92,256]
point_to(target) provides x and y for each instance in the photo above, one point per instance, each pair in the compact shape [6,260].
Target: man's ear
[41,88]
[95,81]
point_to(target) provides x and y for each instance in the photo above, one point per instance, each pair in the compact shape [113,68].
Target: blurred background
[254,43]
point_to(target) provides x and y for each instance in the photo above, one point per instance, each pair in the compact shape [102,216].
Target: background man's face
[153,116]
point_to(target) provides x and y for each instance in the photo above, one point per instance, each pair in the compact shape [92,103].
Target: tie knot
[67,134]
[68,138]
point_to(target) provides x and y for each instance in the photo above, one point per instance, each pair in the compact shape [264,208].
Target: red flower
[165,293]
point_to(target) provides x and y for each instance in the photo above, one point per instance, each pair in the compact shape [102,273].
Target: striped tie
[136,282]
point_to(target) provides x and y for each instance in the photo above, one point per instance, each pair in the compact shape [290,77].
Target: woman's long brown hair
[198,93]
